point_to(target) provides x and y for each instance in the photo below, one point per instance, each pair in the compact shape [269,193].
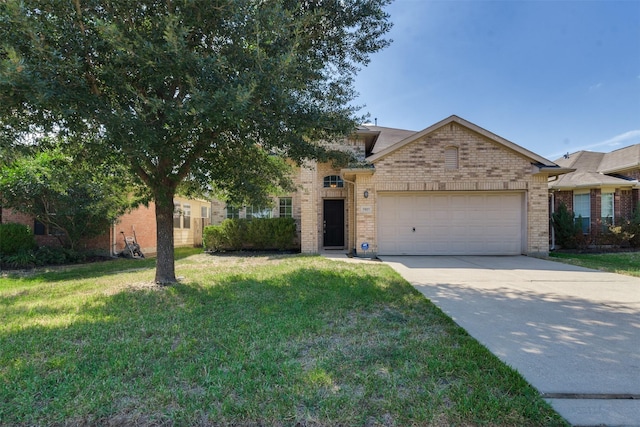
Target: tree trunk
[165,263]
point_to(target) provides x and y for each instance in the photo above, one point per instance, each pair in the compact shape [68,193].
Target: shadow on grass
[95,269]
[319,346]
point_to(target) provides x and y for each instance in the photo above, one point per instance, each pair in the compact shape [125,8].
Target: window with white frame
[176,215]
[233,212]
[204,211]
[257,212]
[582,210]
[286,207]
[333,181]
[186,216]
[606,209]
[451,158]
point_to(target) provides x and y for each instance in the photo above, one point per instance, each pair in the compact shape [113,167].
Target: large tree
[204,91]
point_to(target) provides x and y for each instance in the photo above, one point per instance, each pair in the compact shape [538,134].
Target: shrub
[568,232]
[15,238]
[263,233]
[21,259]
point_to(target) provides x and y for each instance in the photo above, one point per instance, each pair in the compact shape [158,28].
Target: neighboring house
[190,216]
[452,188]
[603,188]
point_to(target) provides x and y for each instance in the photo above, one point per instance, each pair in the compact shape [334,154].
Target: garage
[451,223]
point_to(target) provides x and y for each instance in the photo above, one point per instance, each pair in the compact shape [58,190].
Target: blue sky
[551,76]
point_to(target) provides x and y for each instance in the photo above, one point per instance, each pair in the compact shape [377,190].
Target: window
[39,229]
[258,212]
[606,211]
[451,158]
[233,213]
[333,181]
[286,207]
[186,216]
[176,215]
[582,209]
[204,212]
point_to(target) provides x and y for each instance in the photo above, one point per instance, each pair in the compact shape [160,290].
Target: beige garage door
[450,224]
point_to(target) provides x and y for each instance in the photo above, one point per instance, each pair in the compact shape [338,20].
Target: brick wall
[484,165]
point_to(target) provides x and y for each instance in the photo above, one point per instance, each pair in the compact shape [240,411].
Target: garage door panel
[450,224]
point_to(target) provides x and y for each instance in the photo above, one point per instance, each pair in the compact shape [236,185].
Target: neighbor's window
[176,215]
[451,158]
[582,210]
[186,214]
[333,181]
[286,207]
[233,212]
[258,212]
[606,211]
[39,229]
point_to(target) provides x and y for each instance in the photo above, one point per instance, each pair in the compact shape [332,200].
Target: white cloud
[624,139]
[595,87]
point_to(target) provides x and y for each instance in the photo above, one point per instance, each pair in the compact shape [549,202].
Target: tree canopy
[202,91]
[77,198]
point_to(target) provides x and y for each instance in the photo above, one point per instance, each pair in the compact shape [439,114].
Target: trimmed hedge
[15,238]
[258,234]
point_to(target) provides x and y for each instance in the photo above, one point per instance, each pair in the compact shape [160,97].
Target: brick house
[602,189]
[452,188]
[190,216]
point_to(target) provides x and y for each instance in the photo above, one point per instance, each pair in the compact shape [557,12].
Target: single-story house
[453,188]
[190,216]
[603,188]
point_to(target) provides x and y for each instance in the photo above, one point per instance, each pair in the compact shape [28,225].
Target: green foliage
[261,234]
[15,238]
[567,230]
[193,93]
[78,197]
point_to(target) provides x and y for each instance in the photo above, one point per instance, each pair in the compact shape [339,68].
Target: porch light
[366,194]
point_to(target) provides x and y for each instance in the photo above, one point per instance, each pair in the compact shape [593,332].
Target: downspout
[553,229]
[352,219]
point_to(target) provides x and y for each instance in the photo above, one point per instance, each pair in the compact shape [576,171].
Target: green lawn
[271,340]
[623,262]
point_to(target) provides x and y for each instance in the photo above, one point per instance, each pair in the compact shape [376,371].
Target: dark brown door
[333,224]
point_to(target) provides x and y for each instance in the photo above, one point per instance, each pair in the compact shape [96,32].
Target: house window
[333,181]
[233,213]
[582,210]
[258,212]
[286,207]
[204,212]
[606,210]
[39,229]
[176,215]
[186,215]
[451,158]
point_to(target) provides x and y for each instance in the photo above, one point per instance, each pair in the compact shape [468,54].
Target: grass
[281,340]
[621,262]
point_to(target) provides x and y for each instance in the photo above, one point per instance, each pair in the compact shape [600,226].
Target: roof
[377,138]
[548,165]
[595,169]
[621,159]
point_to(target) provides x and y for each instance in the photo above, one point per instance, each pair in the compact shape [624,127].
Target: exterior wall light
[366,194]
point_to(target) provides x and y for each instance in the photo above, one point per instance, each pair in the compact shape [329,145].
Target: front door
[333,223]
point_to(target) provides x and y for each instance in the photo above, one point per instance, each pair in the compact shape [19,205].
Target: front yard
[621,262]
[270,340]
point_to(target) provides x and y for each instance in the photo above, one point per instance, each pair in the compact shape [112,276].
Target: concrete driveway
[573,333]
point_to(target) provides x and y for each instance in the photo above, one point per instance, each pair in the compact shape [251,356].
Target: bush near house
[260,234]
[568,232]
[15,238]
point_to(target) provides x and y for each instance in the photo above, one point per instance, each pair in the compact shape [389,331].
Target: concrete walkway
[573,333]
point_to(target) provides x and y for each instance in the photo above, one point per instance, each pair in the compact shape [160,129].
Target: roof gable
[534,158]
